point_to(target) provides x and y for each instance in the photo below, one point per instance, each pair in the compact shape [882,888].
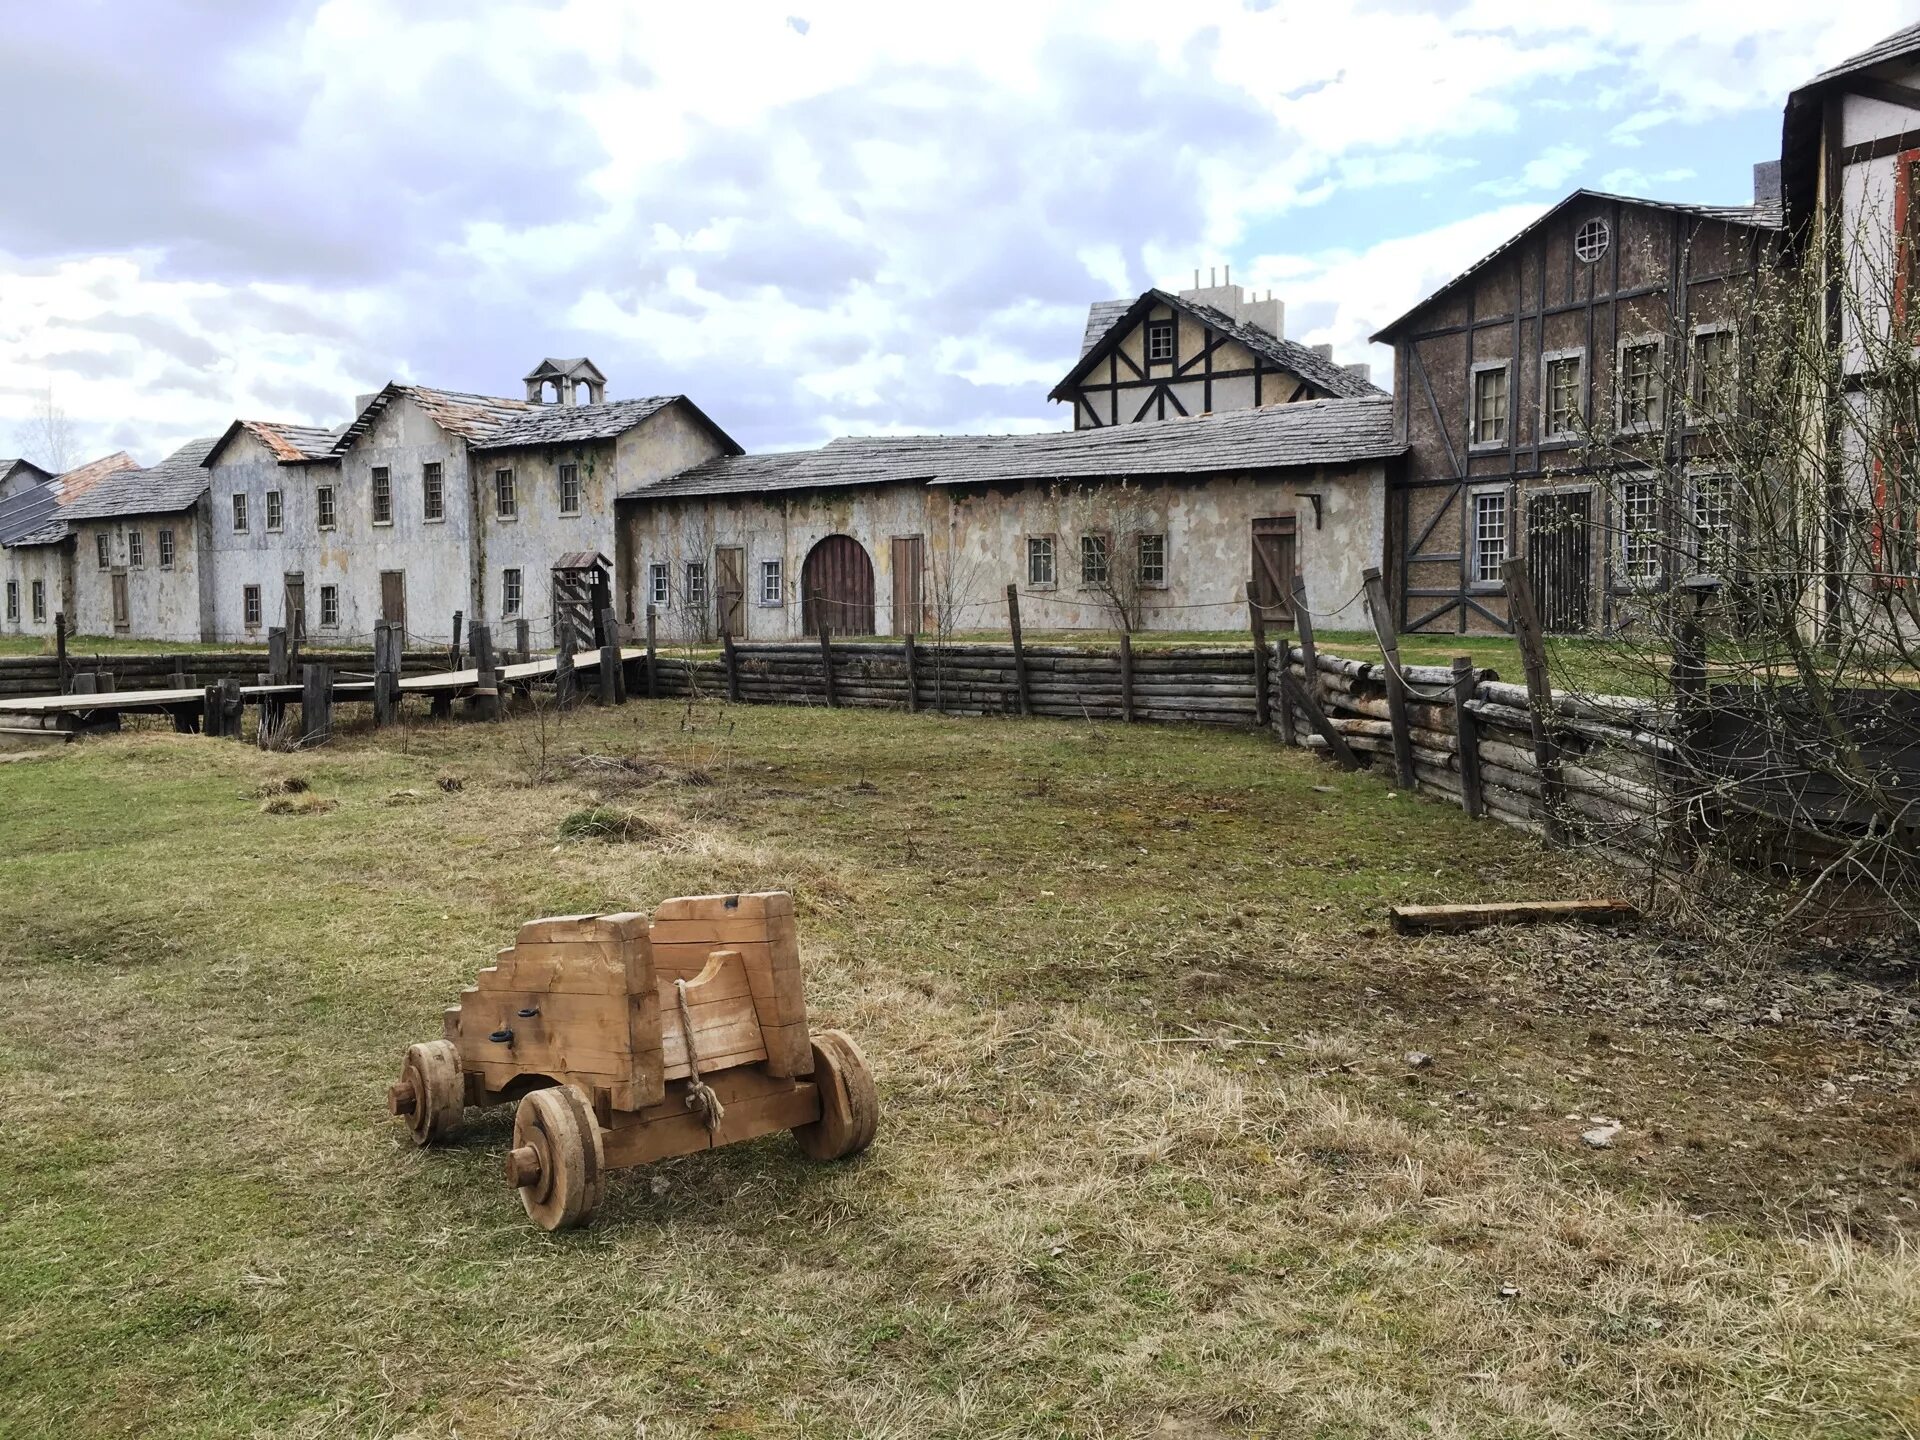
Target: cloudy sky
[815,219]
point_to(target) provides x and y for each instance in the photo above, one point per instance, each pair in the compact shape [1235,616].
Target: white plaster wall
[264,558]
[979,537]
[52,565]
[539,534]
[163,602]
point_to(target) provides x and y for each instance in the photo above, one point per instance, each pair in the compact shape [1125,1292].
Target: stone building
[431,502]
[141,558]
[37,573]
[1153,526]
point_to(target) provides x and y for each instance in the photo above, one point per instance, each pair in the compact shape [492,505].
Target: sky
[813,219]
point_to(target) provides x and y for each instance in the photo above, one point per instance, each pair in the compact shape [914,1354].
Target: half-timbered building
[1166,356]
[1605,315]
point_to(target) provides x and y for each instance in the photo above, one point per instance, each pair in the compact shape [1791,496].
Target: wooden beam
[826,650]
[1126,677]
[1292,693]
[1422,919]
[1262,702]
[1396,681]
[1466,735]
[1533,658]
[910,650]
[653,669]
[1019,649]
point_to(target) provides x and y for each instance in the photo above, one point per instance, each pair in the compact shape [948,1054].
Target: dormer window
[1159,340]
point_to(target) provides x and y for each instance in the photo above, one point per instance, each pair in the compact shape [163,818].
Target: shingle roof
[1759,217]
[1307,363]
[491,422]
[174,484]
[1312,432]
[1100,317]
[39,516]
[572,424]
[1800,122]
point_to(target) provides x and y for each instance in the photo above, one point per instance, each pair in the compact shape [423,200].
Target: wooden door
[1560,559]
[837,583]
[393,599]
[909,585]
[296,608]
[1275,559]
[122,610]
[730,589]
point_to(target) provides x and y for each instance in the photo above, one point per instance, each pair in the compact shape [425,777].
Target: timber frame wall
[1665,271]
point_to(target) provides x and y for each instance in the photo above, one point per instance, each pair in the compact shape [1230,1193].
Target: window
[433,492]
[39,600]
[100,548]
[697,585]
[1152,554]
[13,599]
[329,607]
[1039,560]
[250,606]
[772,588]
[569,489]
[165,547]
[1639,533]
[1490,403]
[276,513]
[1713,376]
[1713,521]
[323,516]
[1093,559]
[382,495]
[1640,400]
[1159,340]
[240,514]
[659,591]
[1591,239]
[509,592]
[504,504]
[136,548]
[1564,410]
[1489,535]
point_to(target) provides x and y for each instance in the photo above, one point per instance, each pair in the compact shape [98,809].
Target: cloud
[869,217]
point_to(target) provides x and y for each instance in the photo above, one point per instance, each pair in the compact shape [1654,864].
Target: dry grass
[208,1227]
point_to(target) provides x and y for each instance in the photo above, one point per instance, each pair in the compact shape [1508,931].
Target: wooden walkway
[448,684]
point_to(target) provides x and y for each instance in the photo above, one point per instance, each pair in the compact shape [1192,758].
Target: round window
[1590,241]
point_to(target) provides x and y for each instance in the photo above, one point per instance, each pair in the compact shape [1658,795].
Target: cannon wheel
[558,1163]
[849,1104]
[431,1097]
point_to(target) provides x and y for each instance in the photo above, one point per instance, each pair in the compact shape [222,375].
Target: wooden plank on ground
[1422,919]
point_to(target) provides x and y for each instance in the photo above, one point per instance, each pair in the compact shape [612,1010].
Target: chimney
[1325,352]
[1269,314]
[360,402]
[1359,368]
[1766,183]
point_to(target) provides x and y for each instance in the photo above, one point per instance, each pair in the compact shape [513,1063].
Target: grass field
[1153,1161]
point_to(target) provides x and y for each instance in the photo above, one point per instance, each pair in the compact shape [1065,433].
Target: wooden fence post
[60,648]
[486,682]
[613,673]
[1396,680]
[1126,676]
[316,704]
[1262,698]
[653,630]
[1019,649]
[911,651]
[210,711]
[1466,735]
[1688,680]
[563,679]
[1533,659]
[1303,621]
[386,684]
[453,653]
[273,709]
[826,653]
[733,666]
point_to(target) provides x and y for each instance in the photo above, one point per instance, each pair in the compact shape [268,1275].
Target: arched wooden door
[836,584]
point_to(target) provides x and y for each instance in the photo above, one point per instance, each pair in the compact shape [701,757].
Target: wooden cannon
[628,1038]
